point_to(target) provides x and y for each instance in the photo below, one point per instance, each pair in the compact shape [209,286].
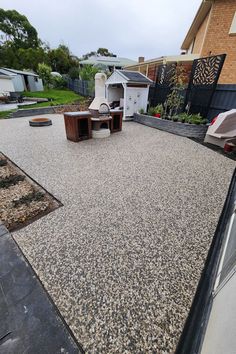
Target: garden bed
[21,199]
[178,128]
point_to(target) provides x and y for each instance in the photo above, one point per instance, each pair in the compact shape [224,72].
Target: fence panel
[223,100]
[82,87]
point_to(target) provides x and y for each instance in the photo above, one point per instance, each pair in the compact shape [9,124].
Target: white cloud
[129,28]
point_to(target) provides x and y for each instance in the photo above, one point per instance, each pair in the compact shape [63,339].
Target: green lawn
[56,97]
[4,114]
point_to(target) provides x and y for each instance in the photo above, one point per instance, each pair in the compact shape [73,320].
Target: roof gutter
[198,19]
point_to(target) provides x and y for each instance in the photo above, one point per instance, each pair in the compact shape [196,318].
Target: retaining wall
[183,129]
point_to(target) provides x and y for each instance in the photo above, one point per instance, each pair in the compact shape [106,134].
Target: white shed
[6,85]
[129,89]
[23,80]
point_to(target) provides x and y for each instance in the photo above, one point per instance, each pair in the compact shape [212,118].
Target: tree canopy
[17,31]
[20,48]
[100,52]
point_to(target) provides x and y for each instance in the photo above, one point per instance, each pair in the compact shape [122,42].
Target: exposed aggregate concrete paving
[123,256]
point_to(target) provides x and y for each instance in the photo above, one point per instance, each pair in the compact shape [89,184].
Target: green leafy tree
[74,73]
[21,48]
[17,31]
[44,72]
[100,52]
[61,59]
[105,52]
[87,72]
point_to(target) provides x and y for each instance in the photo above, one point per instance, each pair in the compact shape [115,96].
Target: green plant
[159,109]
[44,72]
[175,98]
[58,82]
[151,111]
[197,119]
[141,111]
[191,118]
[74,73]
[10,181]
[27,199]
[155,110]
[88,72]
[3,162]
[183,117]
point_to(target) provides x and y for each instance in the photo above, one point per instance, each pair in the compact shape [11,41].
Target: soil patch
[22,200]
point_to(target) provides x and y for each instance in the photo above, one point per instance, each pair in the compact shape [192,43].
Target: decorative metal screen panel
[202,84]
[163,84]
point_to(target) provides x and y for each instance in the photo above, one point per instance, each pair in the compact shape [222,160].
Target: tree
[74,73]
[100,52]
[105,52]
[61,59]
[17,31]
[88,72]
[44,72]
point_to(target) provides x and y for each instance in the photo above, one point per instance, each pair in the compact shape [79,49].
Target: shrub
[44,72]
[58,82]
[151,111]
[191,118]
[155,110]
[74,73]
[88,72]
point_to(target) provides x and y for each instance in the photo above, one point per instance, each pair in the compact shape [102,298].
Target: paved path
[123,256]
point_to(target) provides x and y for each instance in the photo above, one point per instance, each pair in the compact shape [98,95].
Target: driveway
[122,257]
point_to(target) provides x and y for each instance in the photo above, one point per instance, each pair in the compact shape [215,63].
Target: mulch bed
[22,200]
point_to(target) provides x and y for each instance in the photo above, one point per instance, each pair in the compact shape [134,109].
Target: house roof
[167,59]
[108,61]
[20,72]
[197,21]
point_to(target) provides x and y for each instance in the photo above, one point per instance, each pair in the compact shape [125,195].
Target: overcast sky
[128,28]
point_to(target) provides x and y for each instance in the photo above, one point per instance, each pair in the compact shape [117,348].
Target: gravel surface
[123,256]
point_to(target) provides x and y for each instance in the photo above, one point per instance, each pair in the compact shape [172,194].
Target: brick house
[213,31]
[150,67]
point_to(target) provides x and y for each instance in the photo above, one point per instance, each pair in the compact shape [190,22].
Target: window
[228,260]
[232,31]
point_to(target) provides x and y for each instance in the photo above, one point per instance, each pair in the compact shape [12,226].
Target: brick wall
[198,42]
[152,71]
[218,40]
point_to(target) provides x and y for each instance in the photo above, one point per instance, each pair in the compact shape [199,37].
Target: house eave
[198,19]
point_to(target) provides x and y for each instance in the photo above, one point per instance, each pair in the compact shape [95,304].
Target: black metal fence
[163,85]
[202,83]
[83,87]
[223,100]
[202,94]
